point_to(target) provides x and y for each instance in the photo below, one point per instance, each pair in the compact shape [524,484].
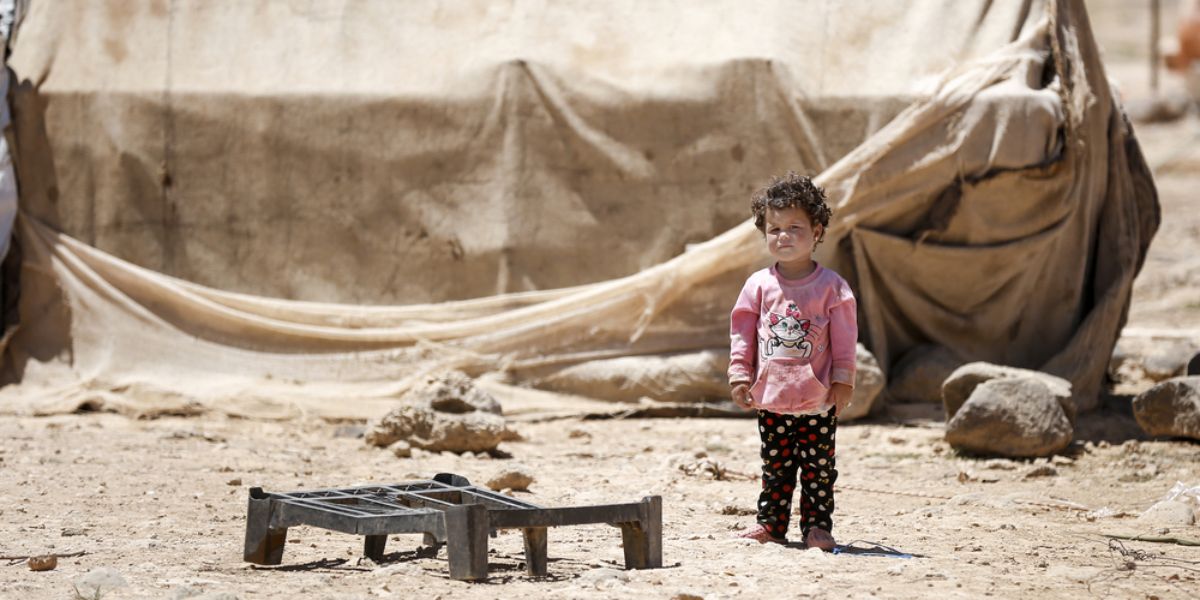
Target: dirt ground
[162,502]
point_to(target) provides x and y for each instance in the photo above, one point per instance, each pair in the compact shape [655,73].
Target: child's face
[791,236]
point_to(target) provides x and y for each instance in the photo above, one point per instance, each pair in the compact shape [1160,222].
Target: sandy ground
[163,502]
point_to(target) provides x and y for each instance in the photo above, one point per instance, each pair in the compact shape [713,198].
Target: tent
[270,207]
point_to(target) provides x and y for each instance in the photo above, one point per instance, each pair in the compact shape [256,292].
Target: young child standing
[793,334]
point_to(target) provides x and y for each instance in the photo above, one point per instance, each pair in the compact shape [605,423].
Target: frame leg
[535,551]
[467,541]
[373,546]
[264,546]
[643,539]
[431,540]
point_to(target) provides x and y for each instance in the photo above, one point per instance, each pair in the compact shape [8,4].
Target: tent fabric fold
[317,240]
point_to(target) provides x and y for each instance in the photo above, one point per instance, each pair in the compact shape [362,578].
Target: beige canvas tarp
[265,207]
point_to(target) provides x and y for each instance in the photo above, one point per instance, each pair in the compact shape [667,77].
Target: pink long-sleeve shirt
[793,339]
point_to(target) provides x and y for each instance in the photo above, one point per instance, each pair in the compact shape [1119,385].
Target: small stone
[235,481]
[1041,471]
[514,479]
[73,531]
[42,563]
[735,510]
[401,449]
[687,596]
[1000,464]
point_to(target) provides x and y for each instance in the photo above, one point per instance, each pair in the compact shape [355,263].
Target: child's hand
[841,394]
[741,395]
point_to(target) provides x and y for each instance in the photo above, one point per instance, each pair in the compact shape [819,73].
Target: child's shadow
[861,548]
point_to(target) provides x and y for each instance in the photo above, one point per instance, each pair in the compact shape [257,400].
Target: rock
[42,563]
[1163,366]
[98,582]
[446,414]
[453,392]
[1193,366]
[1155,359]
[1000,464]
[1157,108]
[1169,513]
[684,378]
[919,374]
[514,479]
[1171,408]
[868,383]
[1041,471]
[736,510]
[688,377]
[962,382]
[433,431]
[401,449]
[1014,417]
[234,482]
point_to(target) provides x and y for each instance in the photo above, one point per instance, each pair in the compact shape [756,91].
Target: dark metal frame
[448,510]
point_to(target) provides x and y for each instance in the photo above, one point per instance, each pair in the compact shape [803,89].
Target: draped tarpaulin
[239,205]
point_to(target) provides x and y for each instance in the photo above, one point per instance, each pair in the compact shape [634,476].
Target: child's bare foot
[760,534]
[819,538]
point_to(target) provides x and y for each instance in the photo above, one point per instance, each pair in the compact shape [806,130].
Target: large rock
[919,374]
[446,413]
[686,378]
[1171,408]
[868,385]
[689,377]
[1015,417]
[962,383]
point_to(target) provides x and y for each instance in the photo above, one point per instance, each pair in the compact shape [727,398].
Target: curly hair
[792,191]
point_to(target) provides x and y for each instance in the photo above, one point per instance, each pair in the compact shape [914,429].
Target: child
[793,336]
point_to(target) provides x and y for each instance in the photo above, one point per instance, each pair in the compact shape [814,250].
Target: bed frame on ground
[448,510]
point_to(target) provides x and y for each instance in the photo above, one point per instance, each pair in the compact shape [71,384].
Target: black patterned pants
[797,447]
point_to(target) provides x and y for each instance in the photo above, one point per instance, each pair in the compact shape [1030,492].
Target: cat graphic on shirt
[789,331]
